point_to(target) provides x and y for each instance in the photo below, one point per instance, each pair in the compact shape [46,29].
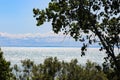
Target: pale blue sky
[16,16]
[18,26]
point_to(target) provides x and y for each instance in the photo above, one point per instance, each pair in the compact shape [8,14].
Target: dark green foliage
[5,71]
[88,21]
[52,69]
[110,70]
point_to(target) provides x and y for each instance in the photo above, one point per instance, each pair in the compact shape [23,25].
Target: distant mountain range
[37,40]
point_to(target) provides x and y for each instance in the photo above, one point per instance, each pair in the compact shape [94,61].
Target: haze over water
[38,54]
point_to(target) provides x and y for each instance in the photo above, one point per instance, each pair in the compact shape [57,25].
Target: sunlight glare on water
[38,54]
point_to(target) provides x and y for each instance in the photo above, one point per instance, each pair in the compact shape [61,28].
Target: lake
[38,54]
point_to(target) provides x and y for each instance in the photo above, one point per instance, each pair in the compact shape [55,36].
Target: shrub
[5,70]
[53,69]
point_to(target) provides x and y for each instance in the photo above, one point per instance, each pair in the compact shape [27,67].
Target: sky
[18,26]
[16,16]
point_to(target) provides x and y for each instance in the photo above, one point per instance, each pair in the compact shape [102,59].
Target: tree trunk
[109,49]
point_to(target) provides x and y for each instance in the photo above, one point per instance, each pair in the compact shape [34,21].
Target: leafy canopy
[94,21]
[76,17]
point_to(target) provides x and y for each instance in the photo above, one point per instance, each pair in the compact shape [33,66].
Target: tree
[5,71]
[53,69]
[94,21]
